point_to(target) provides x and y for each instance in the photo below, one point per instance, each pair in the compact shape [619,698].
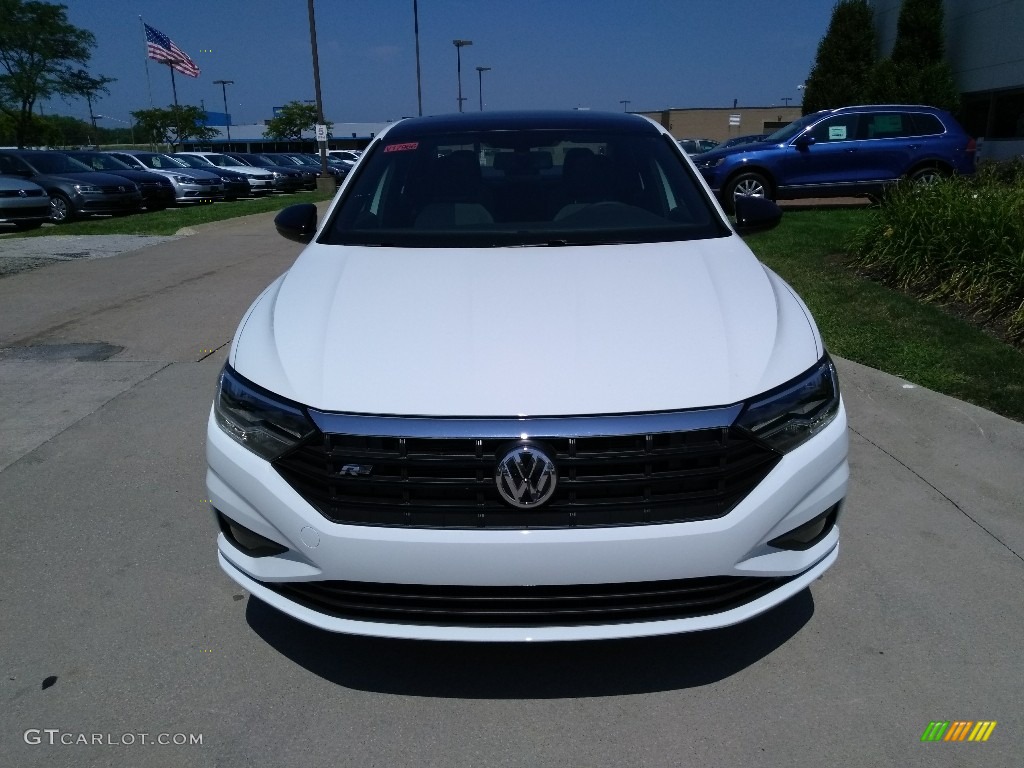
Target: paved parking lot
[117,621]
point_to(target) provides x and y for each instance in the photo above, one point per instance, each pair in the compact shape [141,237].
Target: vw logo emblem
[22,193]
[120,189]
[526,477]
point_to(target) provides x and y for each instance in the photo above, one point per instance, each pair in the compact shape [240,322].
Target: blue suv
[839,152]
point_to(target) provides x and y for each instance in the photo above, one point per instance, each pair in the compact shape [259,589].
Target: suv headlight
[791,414]
[257,419]
[712,163]
[88,189]
[185,179]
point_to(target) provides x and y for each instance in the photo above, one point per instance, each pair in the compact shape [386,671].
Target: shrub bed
[959,241]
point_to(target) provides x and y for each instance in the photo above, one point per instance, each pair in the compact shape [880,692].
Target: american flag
[159,47]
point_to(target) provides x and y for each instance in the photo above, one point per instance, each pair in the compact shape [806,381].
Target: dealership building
[985,48]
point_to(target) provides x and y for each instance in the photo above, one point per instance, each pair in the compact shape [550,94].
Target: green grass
[171,220]
[882,327]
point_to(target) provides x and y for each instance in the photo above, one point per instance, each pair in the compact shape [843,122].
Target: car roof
[882,108]
[522,121]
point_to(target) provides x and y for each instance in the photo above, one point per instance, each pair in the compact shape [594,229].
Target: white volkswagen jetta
[526,382]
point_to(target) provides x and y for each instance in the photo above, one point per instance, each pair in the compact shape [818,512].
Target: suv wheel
[928,175]
[61,211]
[747,184]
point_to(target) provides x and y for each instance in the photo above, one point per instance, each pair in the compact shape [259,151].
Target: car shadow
[530,671]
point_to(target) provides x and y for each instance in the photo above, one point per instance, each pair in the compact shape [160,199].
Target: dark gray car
[75,190]
[157,191]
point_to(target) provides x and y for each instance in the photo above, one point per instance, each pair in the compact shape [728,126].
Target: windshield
[538,187]
[190,161]
[99,162]
[221,160]
[162,162]
[55,162]
[787,132]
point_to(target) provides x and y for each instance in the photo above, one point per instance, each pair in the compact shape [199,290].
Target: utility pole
[416,32]
[625,105]
[325,182]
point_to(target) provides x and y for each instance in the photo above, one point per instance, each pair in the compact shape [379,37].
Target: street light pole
[224,92]
[625,105]
[480,75]
[459,45]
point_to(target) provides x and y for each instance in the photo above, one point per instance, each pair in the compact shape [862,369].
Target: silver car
[191,185]
[23,203]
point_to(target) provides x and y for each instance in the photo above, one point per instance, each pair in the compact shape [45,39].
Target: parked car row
[59,186]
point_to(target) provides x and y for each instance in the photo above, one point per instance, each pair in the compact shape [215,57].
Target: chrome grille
[603,480]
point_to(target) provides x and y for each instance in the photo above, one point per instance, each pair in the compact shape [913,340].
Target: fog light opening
[249,542]
[810,533]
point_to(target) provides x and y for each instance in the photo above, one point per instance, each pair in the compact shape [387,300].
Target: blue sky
[543,54]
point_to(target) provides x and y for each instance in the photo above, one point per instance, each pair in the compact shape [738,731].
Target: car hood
[97,178]
[525,331]
[740,149]
[138,176]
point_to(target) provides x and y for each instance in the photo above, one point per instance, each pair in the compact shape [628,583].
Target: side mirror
[756,214]
[297,222]
[803,141]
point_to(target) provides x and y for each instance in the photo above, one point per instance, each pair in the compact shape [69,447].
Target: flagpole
[174,87]
[145,44]
[177,124]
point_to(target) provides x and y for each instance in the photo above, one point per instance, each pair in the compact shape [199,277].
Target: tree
[40,52]
[89,88]
[173,125]
[917,72]
[291,120]
[846,55]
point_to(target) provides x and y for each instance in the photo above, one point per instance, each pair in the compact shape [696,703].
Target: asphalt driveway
[117,621]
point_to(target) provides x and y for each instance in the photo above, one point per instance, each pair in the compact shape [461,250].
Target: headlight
[88,189]
[185,179]
[712,163]
[791,414]
[262,422]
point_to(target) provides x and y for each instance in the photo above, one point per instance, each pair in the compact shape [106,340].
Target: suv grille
[555,605]
[632,479]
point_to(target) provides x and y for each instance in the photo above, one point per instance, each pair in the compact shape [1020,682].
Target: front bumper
[198,193]
[25,211]
[107,203]
[806,483]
